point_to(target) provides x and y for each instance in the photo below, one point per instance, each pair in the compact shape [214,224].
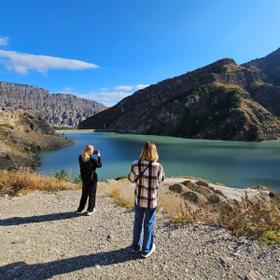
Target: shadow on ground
[41,271]
[39,219]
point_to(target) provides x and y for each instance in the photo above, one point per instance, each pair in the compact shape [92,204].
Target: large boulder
[191,196]
[178,188]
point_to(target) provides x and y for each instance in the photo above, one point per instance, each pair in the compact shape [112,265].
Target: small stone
[252,276]
[20,241]
[262,255]
[171,235]
[224,263]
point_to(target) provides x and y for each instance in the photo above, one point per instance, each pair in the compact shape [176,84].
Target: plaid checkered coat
[146,188]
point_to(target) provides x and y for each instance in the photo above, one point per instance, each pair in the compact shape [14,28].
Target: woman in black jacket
[89,178]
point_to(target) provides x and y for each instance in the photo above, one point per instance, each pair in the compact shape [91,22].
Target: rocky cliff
[268,66]
[220,101]
[22,135]
[60,110]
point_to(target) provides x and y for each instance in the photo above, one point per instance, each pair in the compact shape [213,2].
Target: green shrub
[63,175]
[78,180]
[271,236]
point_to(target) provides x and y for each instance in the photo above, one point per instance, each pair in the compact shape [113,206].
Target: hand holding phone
[97,153]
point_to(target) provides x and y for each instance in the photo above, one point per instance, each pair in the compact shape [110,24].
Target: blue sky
[105,50]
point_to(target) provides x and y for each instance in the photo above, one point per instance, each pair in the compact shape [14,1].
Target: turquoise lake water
[238,164]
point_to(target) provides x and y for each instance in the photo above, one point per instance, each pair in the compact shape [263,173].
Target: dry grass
[121,193]
[175,208]
[120,200]
[258,218]
[19,182]
[252,218]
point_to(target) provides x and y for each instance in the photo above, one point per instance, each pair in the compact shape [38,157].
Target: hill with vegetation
[268,66]
[22,135]
[223,100]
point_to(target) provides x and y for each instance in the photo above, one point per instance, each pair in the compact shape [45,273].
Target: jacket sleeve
[132,175]
[98,162]
[161,174]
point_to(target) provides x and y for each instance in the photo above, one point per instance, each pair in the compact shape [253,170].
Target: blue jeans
[146,239]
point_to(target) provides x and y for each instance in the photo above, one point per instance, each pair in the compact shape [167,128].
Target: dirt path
[41,238]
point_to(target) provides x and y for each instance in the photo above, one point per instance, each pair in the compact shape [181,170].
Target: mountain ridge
[268,66]
[217,101]
[60,110]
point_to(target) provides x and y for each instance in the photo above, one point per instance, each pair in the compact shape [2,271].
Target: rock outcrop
[220,101]
[60,110]
[22,135]
[268,66]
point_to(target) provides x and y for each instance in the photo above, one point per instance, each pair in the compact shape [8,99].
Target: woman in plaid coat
[147,174]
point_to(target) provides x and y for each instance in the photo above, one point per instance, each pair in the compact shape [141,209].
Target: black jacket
[87,168]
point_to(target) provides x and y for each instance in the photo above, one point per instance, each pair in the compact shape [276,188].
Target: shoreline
[133,132]
[74,131]
[239,184]
[37,158]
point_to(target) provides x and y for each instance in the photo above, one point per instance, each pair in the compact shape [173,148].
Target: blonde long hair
[88,150]
[149,152]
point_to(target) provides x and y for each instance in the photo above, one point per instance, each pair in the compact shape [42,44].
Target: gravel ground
[41,238]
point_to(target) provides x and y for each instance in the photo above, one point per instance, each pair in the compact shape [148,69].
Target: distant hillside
[22,135]
[219,101]
[269,67]
[268,95]
[60,110]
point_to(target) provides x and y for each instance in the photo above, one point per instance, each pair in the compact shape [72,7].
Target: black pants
[88,192]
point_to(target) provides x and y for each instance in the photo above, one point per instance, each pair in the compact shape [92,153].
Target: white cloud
[114,94]
[4,41]
[68,90]
[23,62]
[124,88]
[141,86]
[130,88]
[108,98]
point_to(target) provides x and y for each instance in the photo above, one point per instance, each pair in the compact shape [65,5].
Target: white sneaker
[89,213]
[152,251]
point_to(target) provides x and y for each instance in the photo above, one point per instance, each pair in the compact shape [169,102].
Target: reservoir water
[238,164]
